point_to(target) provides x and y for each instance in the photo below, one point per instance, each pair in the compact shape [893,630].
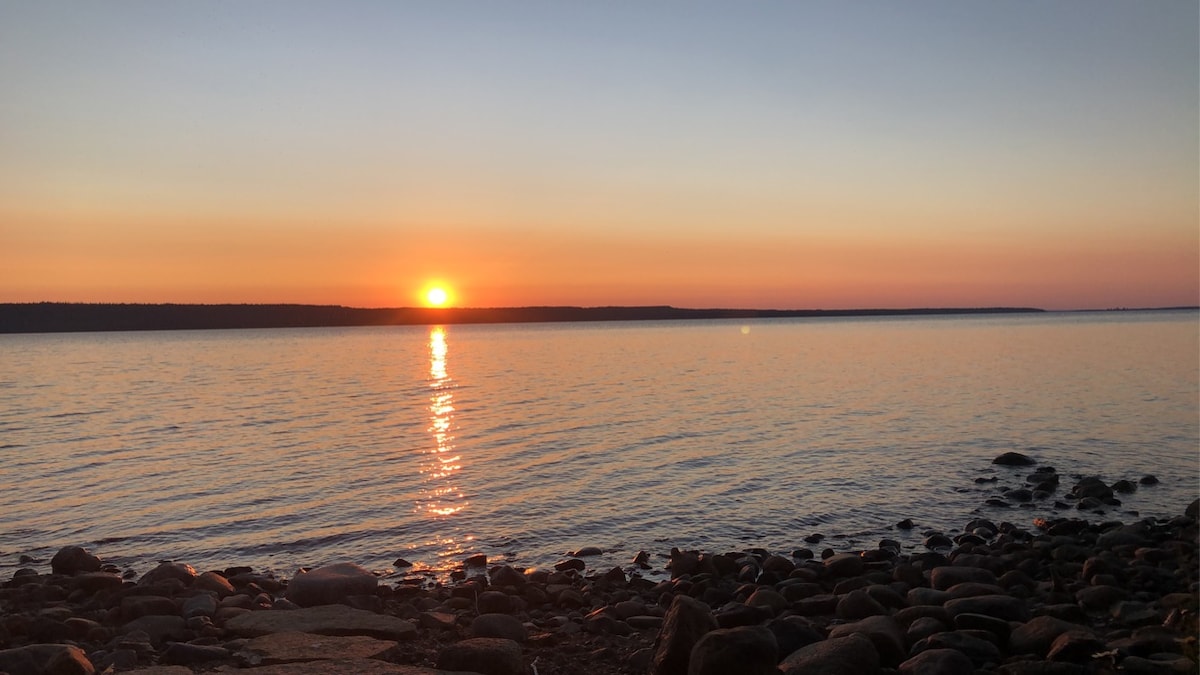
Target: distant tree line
[56,317]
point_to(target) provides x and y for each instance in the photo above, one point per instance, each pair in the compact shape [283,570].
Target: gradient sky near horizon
[699,154]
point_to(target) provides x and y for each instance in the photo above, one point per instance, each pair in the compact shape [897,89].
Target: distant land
[59,317]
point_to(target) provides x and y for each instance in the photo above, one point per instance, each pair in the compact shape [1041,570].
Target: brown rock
[851,655]
[746,650]
[489,656]
[938,662]
[331,584]
[322,620]
[74,559]
[686,622]
[293,647]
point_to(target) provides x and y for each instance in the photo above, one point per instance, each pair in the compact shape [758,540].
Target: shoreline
[1058,595]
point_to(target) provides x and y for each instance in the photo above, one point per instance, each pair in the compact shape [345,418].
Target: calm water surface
[282,448]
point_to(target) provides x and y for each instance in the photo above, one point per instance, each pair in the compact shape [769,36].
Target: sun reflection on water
[441,496]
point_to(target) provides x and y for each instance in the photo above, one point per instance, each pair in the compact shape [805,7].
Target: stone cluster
[1062,596]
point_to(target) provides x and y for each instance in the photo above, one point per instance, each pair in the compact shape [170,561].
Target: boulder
[488,656]
[858,605]
[294,647]
[980,651]
[686,622]
[938,662]
[747,650]
[851,655]
[883,632]
[945,577]
[1036,635]
[322,620]
[214,582]
[38,659]
[1014,459]
[74,559]
[167,571]
[331,584]
[499,626]
[1000,606]
[844,565]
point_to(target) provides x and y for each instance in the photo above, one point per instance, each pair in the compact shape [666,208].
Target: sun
[437,296]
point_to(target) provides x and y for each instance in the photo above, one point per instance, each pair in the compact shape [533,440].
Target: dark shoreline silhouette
[55,317]
[64,317]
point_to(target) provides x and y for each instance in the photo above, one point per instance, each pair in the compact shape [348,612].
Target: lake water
[290,447]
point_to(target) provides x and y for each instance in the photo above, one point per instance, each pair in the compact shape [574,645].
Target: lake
[301,447]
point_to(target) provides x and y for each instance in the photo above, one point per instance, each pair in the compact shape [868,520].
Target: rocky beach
[1081,591]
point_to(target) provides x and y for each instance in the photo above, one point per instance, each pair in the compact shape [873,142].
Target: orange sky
[811,156]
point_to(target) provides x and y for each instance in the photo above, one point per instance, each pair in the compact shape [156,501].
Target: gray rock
[499,626]
[331,584]
[747,650]
[494,602]
[938,662]
[488,656]
[199,605]
[686,622]
[134,606]
[322,620]
[851,655]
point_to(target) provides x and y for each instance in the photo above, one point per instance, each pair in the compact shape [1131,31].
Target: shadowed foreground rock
[1064,595]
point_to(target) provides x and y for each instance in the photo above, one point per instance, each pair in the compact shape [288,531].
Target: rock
[1092,487]
[845,565]
[938,662]
[498,626]
[494,602]
[1193,510]
[765,597]
[747,650]
[51,659]
[570,564]
[927,596]
[293,647]
[184,654]
[505,575]
[922,628]
[906,524]
[980,651]
[134,606]
[942,578]
[438,620]
[337,666]
[883,632]
[1000,606]
[742,615]
[331,584]
[168,570]
[1124,487]
[1036,635]
[587,551]
[1014,459]
[1076,646]
[322,620]
[74,559]
[475,560]
[686,622]
[214,582]
[488,656]
[159,628]
[1099,598]
[792,633]
[851,655]
[94,582]
[858,605]
[998,627]
[1148,479]
[199,605]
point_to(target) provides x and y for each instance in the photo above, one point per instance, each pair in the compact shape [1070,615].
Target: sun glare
[436,296]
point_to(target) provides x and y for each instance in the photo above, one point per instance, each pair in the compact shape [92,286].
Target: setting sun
[437,296]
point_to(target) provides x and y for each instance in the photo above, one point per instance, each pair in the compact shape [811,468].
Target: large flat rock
[342,667]
[292,647]
[322,620]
